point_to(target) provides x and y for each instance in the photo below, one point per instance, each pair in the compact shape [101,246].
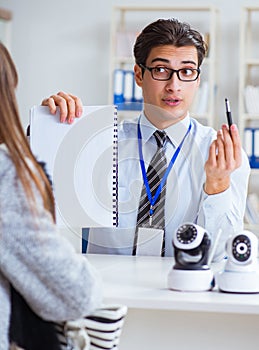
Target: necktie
[155,172]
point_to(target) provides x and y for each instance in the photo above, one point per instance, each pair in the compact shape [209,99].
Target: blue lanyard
[153,200]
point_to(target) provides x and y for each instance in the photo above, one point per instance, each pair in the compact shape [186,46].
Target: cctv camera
[242,251]
[241,272]
[191,250]
[191,246]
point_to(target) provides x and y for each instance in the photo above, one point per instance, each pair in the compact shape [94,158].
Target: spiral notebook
[81,159]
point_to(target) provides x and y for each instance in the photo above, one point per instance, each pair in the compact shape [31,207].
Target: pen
[228,113]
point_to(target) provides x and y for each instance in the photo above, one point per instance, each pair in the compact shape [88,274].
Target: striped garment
[99,331]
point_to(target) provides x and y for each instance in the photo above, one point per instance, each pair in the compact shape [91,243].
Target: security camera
[191,245]
[241,271]
[191,272]
[242,251]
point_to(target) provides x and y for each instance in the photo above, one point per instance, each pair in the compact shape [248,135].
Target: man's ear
[138,75]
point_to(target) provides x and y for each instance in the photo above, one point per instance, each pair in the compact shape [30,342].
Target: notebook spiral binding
[115,170]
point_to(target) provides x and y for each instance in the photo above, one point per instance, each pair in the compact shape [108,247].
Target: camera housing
[242,250]
[191,245]
[191,272]
[241,271]
[188,236]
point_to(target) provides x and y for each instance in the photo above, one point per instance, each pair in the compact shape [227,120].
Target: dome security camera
[241,271]
[191,272]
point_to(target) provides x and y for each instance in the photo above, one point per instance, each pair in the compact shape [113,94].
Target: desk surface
[141,283]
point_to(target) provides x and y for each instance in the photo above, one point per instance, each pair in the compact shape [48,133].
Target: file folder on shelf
[126,94]
[251,145]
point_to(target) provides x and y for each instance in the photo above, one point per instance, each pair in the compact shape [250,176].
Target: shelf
[251,8]
[247,116]
[123,60]
[249,107]
[130,60]
[251,61]
[248,78]
[126,23]
[163,8]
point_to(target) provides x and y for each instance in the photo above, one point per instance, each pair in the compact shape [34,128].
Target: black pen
[228,113]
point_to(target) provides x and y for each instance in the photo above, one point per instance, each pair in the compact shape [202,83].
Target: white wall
[64,45]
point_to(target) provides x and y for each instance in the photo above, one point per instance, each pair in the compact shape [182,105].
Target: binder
[126,94]
[251,145]
[248,141]
[82,160]
[128,86]
[118,87]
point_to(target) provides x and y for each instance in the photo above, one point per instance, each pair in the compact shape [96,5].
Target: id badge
[149,241]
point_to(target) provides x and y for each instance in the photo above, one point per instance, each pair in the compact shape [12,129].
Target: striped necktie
[155,172]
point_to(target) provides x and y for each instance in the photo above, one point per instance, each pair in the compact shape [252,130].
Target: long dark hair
[12,135]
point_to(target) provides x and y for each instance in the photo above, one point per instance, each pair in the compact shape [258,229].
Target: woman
[55,282]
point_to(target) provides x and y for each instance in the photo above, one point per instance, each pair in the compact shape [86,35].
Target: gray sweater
[56,282]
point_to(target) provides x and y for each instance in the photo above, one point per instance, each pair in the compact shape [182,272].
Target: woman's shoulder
[6,164]
[8,178]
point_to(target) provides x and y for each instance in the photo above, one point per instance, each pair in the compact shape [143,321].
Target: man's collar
[175,132]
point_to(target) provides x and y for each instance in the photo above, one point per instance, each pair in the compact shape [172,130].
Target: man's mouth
[172,101]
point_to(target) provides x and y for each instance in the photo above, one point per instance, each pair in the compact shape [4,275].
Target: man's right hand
[70,106]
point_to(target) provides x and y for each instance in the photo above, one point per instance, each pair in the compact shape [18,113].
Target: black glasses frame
[172,71]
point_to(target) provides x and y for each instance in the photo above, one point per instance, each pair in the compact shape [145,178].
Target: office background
[65,45]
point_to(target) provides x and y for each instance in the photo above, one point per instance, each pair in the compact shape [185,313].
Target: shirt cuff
[217,204]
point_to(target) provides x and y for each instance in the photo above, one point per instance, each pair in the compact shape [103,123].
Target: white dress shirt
[186,200]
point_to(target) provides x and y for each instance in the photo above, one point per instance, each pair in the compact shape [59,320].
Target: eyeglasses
[164,73]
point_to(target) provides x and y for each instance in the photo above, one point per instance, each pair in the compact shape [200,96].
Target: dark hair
[168,32]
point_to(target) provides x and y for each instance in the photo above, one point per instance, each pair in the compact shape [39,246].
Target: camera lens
[241,248]
[186,234]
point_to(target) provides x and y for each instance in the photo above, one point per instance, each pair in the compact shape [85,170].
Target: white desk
[161,319]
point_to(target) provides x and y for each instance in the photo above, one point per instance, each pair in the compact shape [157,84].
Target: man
[207,171]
